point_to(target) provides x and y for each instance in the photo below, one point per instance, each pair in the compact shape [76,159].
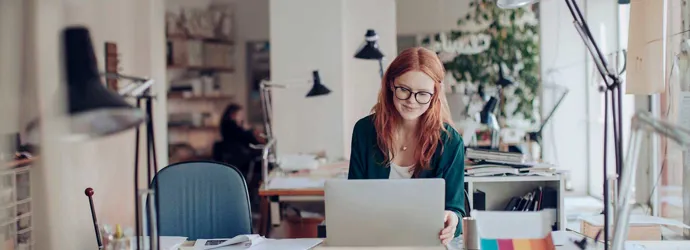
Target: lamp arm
[641,123]
[125,77]
[266,110]
[264,159]
[581,25]
[286,84]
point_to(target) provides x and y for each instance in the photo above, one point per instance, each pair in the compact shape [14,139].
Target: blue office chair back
[202,200]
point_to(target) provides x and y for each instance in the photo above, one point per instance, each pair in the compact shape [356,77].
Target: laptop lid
[406,212]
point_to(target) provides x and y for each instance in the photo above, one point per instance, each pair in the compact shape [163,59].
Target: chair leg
[265,221]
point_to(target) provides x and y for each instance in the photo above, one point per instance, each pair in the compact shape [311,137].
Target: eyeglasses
[422,97]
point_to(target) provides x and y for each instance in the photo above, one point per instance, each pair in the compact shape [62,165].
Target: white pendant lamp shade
[645,63]
[513,4]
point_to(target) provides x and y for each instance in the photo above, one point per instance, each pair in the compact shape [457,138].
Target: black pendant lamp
[318,88]
[93,110]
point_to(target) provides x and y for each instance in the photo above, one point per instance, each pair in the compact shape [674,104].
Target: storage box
[186,52]
[639,232]
[218,55]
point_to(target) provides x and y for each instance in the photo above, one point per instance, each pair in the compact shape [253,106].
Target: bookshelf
[16,208]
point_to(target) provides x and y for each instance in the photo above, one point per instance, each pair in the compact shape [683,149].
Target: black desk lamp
[488,118]
[612,94]
[94,111]
[266,87]
[370,49]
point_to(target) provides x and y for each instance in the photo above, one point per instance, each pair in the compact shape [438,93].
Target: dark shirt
[234,134]
[448,162]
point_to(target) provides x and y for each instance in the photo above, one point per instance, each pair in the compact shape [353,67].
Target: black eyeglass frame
[411,93]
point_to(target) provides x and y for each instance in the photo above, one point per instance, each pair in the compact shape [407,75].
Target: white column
[362,78]
[308,35]
[61,213]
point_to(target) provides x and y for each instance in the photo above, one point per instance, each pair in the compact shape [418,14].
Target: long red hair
[387,119]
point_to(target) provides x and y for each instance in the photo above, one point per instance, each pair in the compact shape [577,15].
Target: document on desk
[238,242]
[287,244]
[295,182]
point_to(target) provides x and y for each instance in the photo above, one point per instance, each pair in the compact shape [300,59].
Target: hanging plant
[514,47]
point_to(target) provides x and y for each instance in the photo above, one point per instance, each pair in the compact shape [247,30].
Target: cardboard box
[639,232]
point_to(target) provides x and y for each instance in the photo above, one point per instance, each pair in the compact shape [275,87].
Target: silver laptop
[406,212]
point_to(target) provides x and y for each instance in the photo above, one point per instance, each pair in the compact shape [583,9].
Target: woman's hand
[450,220]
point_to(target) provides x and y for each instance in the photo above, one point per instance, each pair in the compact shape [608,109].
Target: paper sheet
[287,244]
[295,182]
[237,242]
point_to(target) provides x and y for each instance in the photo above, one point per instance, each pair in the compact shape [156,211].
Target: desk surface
[331,171]
[562,244]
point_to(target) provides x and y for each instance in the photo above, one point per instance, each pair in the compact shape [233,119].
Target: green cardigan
[448,163]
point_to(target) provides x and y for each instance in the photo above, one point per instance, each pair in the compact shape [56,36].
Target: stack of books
[493,156]
[493,163]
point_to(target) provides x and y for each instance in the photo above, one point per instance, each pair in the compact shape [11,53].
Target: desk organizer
[15,206]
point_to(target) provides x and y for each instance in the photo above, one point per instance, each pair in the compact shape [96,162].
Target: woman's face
[412,94]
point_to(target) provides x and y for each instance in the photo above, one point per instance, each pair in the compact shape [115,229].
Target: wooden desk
[499,190]
[457,244]
[271,198]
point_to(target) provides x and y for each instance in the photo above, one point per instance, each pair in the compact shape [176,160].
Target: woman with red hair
[410,133]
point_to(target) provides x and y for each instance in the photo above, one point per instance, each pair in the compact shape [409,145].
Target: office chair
[202,200]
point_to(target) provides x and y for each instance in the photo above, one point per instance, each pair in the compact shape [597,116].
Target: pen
[99,240]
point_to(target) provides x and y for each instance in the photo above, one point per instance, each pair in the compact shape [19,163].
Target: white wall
[307,35]
[429,16]
[362,79]
[62,219]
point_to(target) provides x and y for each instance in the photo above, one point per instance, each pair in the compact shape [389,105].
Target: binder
[479,200]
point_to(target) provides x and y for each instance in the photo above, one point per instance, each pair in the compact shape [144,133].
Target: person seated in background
[234,147]
[410,133]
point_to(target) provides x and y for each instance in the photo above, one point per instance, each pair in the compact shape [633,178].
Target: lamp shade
[318,88]
[488,109]
[645,61]
[513,4]
[503,81]
[370,49]
[93,110]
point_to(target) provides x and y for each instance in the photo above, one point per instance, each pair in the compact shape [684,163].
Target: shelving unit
[15,211]
[500,189]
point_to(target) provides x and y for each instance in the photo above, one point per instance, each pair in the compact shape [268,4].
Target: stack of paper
[297,162]
[255,242]
[495,156]
[289,182]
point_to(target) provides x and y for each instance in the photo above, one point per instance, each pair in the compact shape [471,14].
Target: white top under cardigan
[398,172]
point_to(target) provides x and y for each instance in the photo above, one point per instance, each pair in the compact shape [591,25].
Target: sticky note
[489,244]
[520,244]
[506,244]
